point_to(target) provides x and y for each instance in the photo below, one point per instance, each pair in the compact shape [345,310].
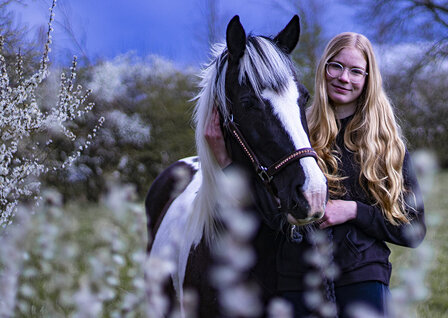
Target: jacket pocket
[353,250]
[357,241]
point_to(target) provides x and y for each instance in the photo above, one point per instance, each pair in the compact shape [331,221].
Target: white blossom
[110,78]
[130,128]
[23,120]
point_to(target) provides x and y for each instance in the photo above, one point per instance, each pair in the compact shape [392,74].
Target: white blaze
[288,112]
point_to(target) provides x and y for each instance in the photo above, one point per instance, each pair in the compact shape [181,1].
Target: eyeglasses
[355,74]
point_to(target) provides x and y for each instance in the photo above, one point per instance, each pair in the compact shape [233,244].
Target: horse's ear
[236,38]
[288,37]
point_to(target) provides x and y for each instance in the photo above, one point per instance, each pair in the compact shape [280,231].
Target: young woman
[374,195]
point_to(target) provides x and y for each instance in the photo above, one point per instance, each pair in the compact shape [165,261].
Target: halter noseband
[266,174]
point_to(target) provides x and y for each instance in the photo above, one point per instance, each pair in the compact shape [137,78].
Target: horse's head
[262,109]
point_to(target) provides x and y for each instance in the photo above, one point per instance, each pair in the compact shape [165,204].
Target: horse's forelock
[212,85]
[265,66]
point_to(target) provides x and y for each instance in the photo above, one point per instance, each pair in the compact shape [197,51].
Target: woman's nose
[344,76]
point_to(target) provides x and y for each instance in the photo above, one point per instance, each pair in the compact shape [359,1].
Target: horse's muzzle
[312,205]
[310,219]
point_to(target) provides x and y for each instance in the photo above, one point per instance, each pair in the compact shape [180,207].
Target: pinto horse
[252,82]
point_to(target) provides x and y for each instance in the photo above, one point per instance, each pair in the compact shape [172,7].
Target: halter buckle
[263,174]
[228,120]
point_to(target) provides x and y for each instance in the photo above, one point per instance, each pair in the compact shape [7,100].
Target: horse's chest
[197,277]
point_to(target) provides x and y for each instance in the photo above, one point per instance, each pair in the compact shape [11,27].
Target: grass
[81,261]
[435,303]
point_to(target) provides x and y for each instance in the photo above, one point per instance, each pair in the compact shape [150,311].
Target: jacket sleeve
[370,219]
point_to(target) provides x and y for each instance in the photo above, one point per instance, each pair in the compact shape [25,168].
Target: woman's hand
[338,212]
[215,140]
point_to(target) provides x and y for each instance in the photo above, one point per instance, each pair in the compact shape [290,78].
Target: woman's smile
[341,89]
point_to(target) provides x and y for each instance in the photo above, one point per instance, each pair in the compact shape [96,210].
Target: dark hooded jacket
[359,245]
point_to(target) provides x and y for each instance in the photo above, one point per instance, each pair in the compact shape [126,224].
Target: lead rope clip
[295,235]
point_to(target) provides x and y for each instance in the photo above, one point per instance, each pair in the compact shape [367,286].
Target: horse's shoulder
[166,187]
[197,277]
[176,176]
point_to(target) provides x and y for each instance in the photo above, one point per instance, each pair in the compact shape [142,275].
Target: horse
[252,82]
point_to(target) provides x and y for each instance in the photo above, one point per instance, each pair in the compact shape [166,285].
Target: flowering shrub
[74,261]
[26,128]
[145,103]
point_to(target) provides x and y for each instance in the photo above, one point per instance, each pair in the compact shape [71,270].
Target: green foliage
[170,117]
[436,305]
[310,47]
[422,107]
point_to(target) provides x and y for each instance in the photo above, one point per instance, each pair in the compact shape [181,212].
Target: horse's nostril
[317,215]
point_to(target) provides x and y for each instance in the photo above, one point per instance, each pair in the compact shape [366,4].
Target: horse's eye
[250,102]
[246,103]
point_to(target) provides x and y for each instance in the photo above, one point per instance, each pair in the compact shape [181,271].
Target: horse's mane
[263,65]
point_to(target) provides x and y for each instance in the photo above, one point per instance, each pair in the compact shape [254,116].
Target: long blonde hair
[373,134]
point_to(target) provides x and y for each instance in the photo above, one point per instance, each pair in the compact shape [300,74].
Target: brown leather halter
[266,174]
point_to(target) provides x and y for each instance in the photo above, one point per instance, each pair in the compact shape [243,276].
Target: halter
[266,174]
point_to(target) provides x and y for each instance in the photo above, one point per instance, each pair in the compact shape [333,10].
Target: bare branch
[67,26]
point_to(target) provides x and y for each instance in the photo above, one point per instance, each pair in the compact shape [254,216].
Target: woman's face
[341,90]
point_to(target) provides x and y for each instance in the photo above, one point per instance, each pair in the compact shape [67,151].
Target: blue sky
[174,29]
